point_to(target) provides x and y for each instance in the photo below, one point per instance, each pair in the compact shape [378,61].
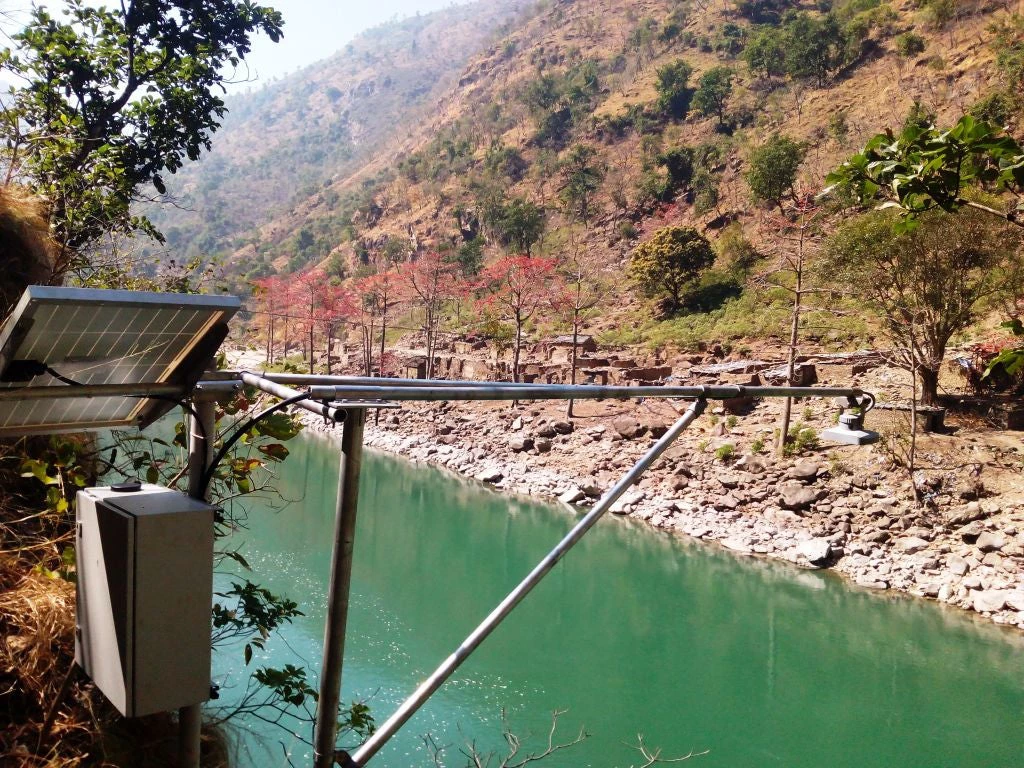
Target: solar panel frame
[102,336]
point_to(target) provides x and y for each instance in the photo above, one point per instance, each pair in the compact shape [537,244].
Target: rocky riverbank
[835,507]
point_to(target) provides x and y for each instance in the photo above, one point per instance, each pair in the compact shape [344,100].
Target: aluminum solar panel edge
[101,336]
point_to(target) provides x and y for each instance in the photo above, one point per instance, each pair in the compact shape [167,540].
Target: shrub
[667,264]
[773,168]
[910,44]
[725,453]
[673,81]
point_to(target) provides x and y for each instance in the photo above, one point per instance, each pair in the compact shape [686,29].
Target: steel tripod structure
[346,399]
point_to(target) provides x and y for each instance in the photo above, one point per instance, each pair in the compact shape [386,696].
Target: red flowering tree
[308,288]
[430,283]
[374,297]
[267,291]
[516,287]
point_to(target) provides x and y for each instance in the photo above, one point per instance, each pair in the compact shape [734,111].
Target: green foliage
[910,44]
[673,85]
[115,98]
[666,265]
[249,610]
[764,11]
[1009,48]
[560,101]
[998,108]
[925,168]
[581,178]
[815,47]
[765,54]
[505,161]
[470,257]
[757,446]
[731,39]
[773,168]
[725,453]
[517,223]
[926,284]
[713,91]
[801,439]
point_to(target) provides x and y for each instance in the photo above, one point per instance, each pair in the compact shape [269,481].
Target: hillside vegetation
[280,143]
[592,124]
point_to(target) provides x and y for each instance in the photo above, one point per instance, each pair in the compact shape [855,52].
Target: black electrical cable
[184,404]
[237,435]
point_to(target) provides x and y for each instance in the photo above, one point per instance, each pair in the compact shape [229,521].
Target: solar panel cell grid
[100,337]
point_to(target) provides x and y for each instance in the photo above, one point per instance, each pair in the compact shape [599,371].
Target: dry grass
[37,622]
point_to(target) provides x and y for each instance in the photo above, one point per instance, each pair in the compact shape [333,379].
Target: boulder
[911,544]
[990,542]
[805,470]
[628,427]
[545,430]
[815,551]
[542,444]
[572,496]
[794,495]
[563,427]
[989,600]
[490,476]
[519,444]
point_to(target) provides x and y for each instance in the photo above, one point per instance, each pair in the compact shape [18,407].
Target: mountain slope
[283,141]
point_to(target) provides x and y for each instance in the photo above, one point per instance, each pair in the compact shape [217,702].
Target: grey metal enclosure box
[145,589]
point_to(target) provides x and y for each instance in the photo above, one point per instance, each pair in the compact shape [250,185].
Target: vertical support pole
[326,731]
[200,453]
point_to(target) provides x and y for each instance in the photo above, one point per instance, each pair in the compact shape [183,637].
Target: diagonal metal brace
[427,689]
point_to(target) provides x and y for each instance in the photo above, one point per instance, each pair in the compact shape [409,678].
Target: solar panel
[104,337]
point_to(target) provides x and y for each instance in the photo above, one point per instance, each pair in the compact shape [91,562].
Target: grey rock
[796,496]
[519,444]
[572,495]
[990,542]
[542,444]
[970,532]
[957,565]
[911,544]
[563,427]
[728,501]
[547,430]
[989,600]
[628,427]
[805,470]
[815,551]
[490,476]
[752,463]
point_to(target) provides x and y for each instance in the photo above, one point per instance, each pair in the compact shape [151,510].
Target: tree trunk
[270,341]
[380,354]
[330,334]
[572,358]
[929,385]
[311,355]
[515,352]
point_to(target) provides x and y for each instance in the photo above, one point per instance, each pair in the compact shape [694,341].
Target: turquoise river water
[634,632]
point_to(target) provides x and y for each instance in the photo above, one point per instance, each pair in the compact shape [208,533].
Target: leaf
[275,451]
[248,653]
[152,474]
[279,426]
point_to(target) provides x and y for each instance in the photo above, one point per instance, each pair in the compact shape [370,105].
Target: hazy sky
[314,29]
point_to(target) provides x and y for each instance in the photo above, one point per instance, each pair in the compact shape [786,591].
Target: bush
[909,44]
[673,85]
[725,453]
[667,265]
[773,168]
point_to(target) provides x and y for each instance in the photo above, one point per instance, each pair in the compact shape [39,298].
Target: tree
[580,179]
[814,47]
[713,91]
[773,168]
[926,168]
[672,83]
[113,99]
[430,282]
[667,264]
[578,293]
[518,286]
[927,284]
[766,53]
[520,224]
[375,296]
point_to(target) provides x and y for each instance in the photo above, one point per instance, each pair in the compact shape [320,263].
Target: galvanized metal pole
[409,707]
[326,730]
[201,438]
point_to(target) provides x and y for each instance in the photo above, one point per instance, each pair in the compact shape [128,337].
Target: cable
[249,424]
[183,403]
